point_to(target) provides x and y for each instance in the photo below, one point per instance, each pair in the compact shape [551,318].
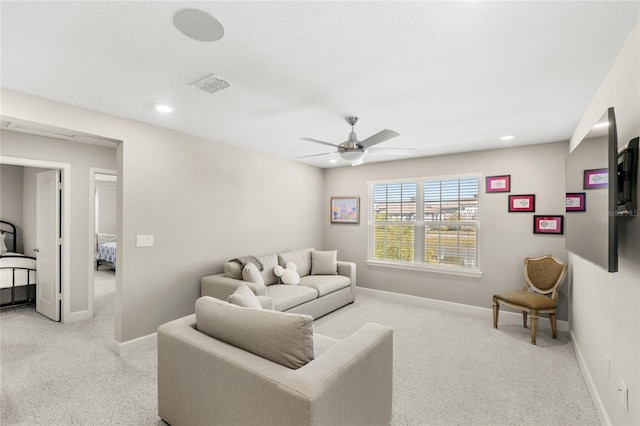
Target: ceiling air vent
[210,84]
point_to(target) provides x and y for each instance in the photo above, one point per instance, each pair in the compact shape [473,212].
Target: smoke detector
[210,84]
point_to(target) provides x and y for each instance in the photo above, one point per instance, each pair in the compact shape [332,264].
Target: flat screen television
[628,179]
[591,219]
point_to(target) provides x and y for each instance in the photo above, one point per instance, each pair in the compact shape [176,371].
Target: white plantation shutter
[431,221]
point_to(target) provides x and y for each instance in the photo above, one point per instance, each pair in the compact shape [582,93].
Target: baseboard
[134,345]
[591,385]
[456,307]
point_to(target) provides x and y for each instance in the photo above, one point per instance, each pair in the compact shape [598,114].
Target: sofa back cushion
[233,270]
[324,262]
[269,262]
[301,258]
[280,337]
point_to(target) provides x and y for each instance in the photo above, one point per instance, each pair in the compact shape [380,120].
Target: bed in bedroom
[17,271]
[106,250]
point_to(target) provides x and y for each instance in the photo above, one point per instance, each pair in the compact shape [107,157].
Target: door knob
[36,250]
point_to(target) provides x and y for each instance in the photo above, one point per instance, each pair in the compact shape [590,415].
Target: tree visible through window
[429,221]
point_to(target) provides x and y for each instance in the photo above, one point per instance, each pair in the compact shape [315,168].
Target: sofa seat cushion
[280,337]
[287,296]
[325,284]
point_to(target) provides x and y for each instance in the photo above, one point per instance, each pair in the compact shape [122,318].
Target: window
[429,223]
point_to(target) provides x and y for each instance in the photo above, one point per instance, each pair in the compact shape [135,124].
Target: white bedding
[22,276]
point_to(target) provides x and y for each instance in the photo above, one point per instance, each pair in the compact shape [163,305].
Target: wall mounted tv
[628,179]
[591,231]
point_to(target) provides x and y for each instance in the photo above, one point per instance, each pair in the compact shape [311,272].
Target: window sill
[475,273]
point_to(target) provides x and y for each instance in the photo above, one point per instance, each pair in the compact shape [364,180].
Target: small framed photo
[522,203]
[548,224]
[576,202]
[596,178]
[345,209]
[499,183]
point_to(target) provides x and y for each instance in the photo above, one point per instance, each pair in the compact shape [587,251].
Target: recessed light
[601,125]
[198,25]
[333,160]
[164,108]
[507,137]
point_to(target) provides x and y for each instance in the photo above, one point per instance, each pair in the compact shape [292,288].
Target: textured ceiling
[448,76]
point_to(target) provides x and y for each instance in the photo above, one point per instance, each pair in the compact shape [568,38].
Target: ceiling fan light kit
[352,149]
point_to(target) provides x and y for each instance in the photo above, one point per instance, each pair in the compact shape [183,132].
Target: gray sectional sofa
[326,284]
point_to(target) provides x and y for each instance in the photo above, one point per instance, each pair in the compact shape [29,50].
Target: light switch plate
[144,240]
[624,395]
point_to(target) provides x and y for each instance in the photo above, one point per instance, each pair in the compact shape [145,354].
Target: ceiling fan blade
[392,151]
[317,141]
[316,155]
[381,136]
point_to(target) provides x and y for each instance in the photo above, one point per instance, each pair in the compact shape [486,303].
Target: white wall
[204,202]
[11,182]
[505,238]
[81,157]
[107,193]
[605,307]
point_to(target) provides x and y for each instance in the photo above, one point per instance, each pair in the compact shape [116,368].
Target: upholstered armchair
[543,276]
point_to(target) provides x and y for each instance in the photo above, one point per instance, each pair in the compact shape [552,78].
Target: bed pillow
[324,262]
[3,246]
[245,298]
[280,337]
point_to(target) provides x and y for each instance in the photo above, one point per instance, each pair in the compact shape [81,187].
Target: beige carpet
[449,368]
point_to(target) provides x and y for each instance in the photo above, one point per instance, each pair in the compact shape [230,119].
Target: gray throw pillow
[245,298]
[324,262]
[280,337]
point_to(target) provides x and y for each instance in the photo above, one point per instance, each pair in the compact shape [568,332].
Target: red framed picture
[576,202]
[548,224]
[522,203]
[596,178]
[499,183]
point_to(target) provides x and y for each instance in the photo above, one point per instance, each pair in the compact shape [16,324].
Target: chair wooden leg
[524,318]
[496,311]
[554,327]
[534,327]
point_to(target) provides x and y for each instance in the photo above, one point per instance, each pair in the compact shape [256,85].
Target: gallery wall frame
[500,183]
[522,203]
[345,209]
[576,202]
[548,224]
[596,179]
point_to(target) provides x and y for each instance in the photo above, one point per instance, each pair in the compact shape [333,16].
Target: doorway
[103,235]
[64,273]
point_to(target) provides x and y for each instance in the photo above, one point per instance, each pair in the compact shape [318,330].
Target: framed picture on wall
[498,183]
[345,209]
[596,178]
[548,224]
[576,202]
[522,203]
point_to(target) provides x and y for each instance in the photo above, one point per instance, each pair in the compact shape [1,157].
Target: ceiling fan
[354,150]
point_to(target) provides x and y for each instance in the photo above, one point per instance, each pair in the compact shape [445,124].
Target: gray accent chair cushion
[283,338]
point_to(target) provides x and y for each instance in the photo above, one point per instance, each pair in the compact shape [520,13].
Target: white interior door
[48,244]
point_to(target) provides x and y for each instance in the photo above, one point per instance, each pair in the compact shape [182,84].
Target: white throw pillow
[251,273]
[324,262]
[244,297]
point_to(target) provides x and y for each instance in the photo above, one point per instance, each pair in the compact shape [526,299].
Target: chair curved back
[544,274]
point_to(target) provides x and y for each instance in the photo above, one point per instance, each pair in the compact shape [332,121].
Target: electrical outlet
[624,395]
[607,367]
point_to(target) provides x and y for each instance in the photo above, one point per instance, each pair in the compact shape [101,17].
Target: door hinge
[59,297]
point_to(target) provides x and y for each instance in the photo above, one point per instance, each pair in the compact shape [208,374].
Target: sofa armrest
[348,269]
[352,382]
[222,287]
